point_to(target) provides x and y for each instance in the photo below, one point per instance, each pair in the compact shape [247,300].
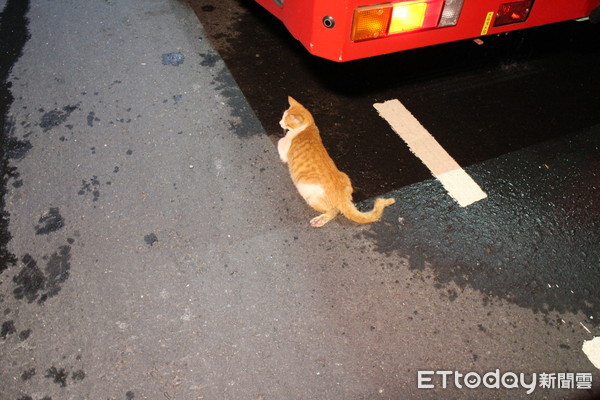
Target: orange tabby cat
[321,184]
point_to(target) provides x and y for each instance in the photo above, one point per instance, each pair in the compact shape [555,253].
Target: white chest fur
[283,145]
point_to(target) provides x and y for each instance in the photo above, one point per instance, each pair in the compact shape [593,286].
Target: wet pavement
[479,101]
[155,247]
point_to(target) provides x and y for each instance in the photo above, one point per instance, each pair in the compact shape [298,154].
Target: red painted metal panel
[304,20]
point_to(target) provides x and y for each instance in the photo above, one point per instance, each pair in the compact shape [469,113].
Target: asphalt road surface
[154,247]
[479,101]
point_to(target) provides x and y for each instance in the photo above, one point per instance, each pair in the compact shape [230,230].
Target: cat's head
[296,116]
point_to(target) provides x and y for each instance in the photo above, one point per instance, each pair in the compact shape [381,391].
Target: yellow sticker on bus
[487,23]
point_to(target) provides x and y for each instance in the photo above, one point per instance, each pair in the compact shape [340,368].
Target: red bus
[344,30]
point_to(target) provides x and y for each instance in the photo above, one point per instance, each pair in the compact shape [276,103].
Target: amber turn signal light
[381,20]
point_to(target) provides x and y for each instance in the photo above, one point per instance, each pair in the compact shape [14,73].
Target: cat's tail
[351,212]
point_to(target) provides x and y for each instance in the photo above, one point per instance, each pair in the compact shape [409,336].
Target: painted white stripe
[591,348]
[457,182]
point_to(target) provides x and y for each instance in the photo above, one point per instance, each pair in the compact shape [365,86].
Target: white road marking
[457,182]
[591,348]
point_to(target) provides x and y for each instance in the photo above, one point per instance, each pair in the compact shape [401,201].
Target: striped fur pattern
[319,182]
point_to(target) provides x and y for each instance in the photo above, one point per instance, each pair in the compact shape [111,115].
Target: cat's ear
[298,118]
[292,101]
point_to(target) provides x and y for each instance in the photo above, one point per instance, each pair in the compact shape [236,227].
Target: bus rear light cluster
[510,13]
[382,20]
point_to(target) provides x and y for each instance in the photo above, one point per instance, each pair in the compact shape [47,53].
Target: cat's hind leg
[322,219]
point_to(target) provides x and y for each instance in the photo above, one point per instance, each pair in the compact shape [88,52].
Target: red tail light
[510,13]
